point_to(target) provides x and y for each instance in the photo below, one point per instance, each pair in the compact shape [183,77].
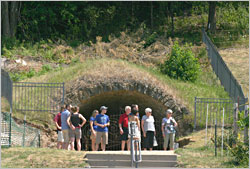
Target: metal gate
[212,109]
[37,99]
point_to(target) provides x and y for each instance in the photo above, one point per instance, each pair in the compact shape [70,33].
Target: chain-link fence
[226,77]
[20,135]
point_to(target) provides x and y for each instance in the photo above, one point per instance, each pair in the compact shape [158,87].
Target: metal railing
[135,156]
[225,76]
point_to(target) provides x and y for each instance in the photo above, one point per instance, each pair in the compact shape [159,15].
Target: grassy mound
[206,86]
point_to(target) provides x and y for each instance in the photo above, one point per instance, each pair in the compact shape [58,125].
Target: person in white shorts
[57,121]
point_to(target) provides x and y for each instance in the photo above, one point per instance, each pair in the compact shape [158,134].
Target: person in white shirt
[148,129]
[168,129]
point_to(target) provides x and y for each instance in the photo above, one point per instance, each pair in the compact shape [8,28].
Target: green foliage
[240,153]
[243,121]
[181,64]
[150,40]
[19,76]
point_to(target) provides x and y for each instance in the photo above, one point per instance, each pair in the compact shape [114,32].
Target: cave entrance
[116,102]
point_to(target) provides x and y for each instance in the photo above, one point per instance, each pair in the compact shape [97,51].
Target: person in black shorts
[123,125]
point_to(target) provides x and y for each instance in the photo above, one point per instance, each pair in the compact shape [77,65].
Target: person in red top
[57,121]
[123,125]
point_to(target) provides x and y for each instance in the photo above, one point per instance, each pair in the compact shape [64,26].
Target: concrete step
[128,157]
[120,159]
[127,163]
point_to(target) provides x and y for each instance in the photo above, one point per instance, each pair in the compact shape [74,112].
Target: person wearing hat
[168,129]
[102,122]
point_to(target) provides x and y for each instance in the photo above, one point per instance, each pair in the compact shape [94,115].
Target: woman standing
[168,131]
[93,128]
[148,129]
[75,127]
[134,118]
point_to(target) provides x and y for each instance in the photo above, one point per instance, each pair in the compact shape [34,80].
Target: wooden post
[246,128]
[235,119]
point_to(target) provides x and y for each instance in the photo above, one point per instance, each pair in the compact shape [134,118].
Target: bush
[150,39]
[181,64]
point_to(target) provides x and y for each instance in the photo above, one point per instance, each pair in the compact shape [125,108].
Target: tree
[211,25]
[10,15]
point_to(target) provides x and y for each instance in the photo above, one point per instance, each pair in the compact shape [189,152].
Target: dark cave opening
[116,102]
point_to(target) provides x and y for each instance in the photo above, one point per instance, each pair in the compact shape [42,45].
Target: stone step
[128,157]
[127,163]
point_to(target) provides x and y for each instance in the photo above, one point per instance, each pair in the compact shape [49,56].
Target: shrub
[150,39]
[181,64]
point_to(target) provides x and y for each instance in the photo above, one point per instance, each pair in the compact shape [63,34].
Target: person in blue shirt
[65,127]
[102,122]
[93,128]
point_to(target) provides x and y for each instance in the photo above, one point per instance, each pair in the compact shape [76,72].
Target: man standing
[102,122]
[65,127]
[123,125]
[57,121]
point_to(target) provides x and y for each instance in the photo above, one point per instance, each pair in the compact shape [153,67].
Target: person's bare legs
[65,145]
[93,145]
[123,145]
[59,145]
[150,149]
[96,147]
[78,142]
[103,147]
[72,142]
[128,144]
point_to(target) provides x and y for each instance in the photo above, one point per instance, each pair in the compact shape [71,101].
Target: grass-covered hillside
[206,86]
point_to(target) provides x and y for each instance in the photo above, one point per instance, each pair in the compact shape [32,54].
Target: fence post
[39,143]
[206,126]
[24,128]
[215,139]
[246,128]
[235,119]
[222,132]
[194,112]
[10,127]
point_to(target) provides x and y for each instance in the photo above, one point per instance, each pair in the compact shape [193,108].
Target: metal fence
[21,134]
[211,109]
[219,119]
[6,86]
[37,99]
[226,77]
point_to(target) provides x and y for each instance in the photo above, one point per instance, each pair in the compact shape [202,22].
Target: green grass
[197,155]
[206,86]
[23,157]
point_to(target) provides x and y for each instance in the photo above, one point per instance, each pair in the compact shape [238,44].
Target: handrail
[133,147]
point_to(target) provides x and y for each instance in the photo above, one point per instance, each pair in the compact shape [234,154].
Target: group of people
[69,122]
